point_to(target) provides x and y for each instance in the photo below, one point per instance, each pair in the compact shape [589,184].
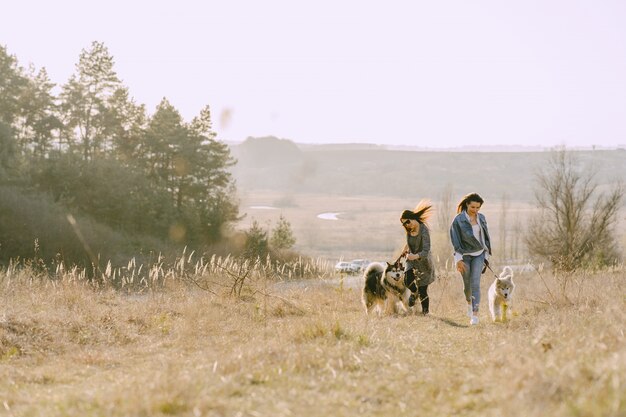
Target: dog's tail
[506,271]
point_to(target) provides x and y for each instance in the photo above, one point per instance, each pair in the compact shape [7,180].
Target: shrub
[575,226]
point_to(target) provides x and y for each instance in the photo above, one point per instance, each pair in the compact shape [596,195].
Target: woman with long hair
[420,271]
[472,247]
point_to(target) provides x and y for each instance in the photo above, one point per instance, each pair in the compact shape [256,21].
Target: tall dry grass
[71,347]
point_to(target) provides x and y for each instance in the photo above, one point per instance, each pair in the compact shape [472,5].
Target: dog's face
[394,273]
[505,287]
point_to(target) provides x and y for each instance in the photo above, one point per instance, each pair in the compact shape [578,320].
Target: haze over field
[353,170]
[365,187]
[431,74]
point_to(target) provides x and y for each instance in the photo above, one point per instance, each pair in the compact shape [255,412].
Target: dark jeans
[422,290]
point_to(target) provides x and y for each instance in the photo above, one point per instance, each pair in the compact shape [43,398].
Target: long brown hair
[471,197]
[421,212]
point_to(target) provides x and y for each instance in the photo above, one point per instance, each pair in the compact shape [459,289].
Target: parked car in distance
[345,267]
[360,264]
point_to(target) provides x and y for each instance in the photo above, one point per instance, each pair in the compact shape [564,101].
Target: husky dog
[500,294]
[384,288]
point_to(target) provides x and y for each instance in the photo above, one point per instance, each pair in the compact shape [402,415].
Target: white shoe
[474,320]
[470,312]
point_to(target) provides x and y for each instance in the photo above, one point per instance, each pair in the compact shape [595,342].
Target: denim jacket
[462,236]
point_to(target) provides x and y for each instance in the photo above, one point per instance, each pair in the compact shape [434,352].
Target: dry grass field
[198,341]
[306,348]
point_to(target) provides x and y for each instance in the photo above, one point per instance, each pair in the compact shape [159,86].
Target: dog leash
[400,257]
[489,266]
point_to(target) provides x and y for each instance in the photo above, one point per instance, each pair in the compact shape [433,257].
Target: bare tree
[504,209]
[575,226]
[445,213]
[514,247]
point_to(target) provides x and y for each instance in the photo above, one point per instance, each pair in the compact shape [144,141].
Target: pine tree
[127,121]
[12,83]
[85,101]
[38,117]
[194,168]
[256,245]
[282,235]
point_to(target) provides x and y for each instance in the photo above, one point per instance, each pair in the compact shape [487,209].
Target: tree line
[90,152]
[87,173]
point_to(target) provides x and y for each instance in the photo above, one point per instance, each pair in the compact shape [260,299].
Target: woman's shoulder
[460,216]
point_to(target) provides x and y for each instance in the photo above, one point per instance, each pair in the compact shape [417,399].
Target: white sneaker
[470,313]
[474,320]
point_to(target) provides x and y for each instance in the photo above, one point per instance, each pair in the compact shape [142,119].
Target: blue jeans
[471,278]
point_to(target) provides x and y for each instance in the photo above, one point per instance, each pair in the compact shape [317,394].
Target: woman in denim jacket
[420,271]
[472,247]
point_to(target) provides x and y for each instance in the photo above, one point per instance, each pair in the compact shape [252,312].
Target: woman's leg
[409,281]
[467,286]
[423,292]
[476,267]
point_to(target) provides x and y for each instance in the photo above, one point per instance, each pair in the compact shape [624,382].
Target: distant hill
[363,169]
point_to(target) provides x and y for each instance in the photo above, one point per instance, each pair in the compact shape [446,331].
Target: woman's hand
[460,266]
[412,256]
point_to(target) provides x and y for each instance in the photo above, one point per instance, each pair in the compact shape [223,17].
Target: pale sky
[422,73]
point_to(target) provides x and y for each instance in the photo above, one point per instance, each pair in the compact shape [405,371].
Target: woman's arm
[487,237]
[455,236]
[407,251]
[456,241]
[425,241]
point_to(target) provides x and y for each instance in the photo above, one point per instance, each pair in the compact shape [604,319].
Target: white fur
[395,303]
[500,295]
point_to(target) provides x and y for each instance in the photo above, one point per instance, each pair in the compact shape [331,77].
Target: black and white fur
[384,288]
[500,294]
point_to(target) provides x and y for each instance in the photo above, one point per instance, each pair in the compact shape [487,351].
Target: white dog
[500,294]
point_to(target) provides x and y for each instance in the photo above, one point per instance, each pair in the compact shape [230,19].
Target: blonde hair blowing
[421,213]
